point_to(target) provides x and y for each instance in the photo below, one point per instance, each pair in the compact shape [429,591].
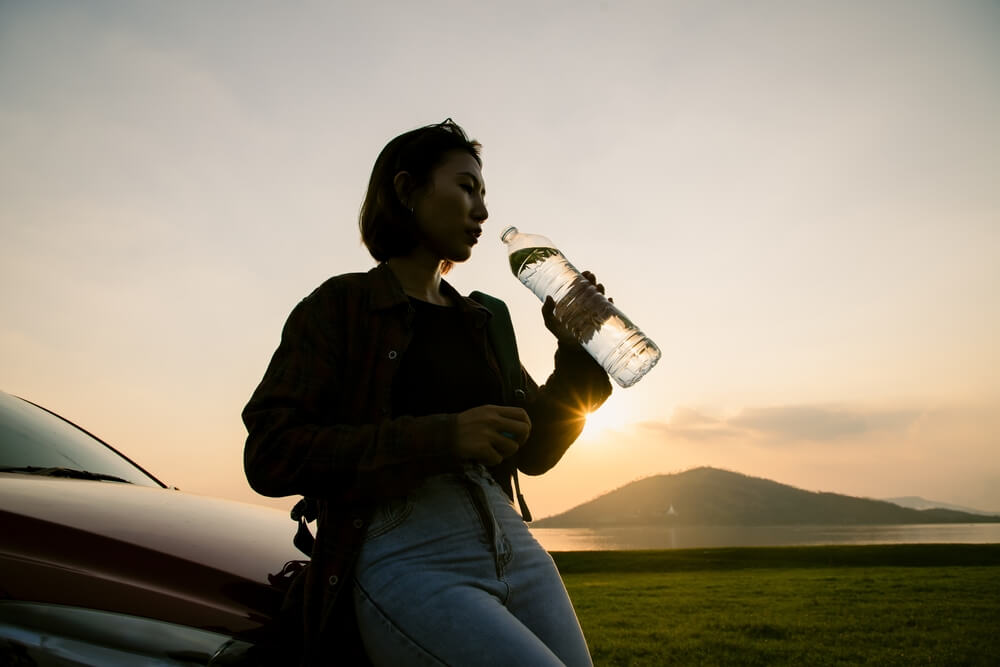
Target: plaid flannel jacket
[320,425]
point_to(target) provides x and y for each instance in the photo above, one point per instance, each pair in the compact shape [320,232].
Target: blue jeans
[450,575]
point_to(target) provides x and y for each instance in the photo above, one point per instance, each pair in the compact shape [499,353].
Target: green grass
[878,605]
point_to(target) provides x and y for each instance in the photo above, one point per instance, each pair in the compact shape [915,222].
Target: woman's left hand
[563,333]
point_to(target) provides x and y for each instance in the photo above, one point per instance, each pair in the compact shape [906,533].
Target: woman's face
[451,209]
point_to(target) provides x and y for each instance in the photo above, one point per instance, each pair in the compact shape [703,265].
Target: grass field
[830,605]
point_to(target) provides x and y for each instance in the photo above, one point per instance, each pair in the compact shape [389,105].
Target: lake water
[694,537]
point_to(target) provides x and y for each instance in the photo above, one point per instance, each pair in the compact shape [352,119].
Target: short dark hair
[388,228]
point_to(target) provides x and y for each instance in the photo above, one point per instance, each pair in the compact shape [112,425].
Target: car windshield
[33,440]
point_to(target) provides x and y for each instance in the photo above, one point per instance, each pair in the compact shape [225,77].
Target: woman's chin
[460,255]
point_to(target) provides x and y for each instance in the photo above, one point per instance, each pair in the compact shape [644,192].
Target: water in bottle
[603,330]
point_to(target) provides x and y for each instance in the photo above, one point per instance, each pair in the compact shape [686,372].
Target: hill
[709,496]
[918,503]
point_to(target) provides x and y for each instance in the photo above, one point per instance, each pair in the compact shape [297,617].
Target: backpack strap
[303,514]
[500,331]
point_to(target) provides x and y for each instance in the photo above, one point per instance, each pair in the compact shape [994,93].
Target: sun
[610,417]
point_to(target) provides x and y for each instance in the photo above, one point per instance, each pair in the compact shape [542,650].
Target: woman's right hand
[488,434]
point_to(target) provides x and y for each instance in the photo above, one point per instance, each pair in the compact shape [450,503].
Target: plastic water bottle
[603,330]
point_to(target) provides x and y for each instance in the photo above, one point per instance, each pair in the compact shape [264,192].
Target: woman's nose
[479,212]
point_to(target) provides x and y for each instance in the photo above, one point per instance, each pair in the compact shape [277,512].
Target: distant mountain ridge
[918,503]
[710,496]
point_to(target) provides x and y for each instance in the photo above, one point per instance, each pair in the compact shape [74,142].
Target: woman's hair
[388,227]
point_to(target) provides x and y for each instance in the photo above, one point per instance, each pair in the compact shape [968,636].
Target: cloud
[690,424]
[787,423]
[822,423]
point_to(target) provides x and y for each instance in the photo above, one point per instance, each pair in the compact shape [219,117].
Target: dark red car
[103,564]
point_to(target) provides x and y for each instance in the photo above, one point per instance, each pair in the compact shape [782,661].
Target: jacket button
[358,523]
[519,394]
[392,354]
[333,580]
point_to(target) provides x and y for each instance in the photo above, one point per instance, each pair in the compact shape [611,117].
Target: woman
[387,403]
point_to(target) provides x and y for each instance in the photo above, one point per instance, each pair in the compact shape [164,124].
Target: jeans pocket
[390,514]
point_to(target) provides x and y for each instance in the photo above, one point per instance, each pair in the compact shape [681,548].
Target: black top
[446,368]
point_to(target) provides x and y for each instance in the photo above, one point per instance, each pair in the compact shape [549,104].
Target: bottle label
[520,259]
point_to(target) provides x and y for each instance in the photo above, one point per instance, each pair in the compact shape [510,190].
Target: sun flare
[608,418]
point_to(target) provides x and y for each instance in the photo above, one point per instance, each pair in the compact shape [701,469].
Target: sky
[798,201]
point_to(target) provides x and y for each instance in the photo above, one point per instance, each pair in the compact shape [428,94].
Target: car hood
[199,561]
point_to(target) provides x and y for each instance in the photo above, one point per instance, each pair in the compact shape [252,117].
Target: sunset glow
[797,202]
[613,416]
